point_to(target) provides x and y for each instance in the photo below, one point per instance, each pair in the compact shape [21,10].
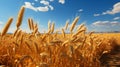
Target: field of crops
[56,48]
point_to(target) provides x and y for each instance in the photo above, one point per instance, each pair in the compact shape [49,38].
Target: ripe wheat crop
[53,49]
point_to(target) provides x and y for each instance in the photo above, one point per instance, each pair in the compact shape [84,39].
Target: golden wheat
[52,27]
[91,33]
[66,25]
[32,24]
[29,23]
[6,27]
[63,33]
[78,32]
[35,25]
[53,50]
[49,25]
[18,33]
[80,26]
[15,32]
[20,16]
[35,30]
[74,23]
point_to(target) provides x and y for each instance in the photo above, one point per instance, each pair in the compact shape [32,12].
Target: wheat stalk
[56,34]
[22,59]
[66,25]
[20,17]
[74,23]
[35,25]
[21,38]
[65,42]
[32,24]
[71,49]
[91,33]
[36,47]
[29,23]
[6,27]
[80,27]
[49,31]
[14,34]
[28,45]
[63,32]
[49,25]
[35,30]
[78,32]
[52,27]
[18,33]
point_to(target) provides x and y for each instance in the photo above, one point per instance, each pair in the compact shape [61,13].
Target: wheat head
[74,23]
[6,27]
[20,17]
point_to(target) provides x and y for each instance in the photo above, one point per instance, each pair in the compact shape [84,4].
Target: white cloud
[51,7]
[97,23]
[104,13]
[106,23]
[96,15]
[62,1]
[80,10]
[42,9]
[105,26]
[116,9]
[116,18]
[114,23]
[44,2]
[46,5]
[29,5]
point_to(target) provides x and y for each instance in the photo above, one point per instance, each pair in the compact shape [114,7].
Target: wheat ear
[66,25]
[6,27]
[20,17]
[52,27]
[29,23]
[63,33]
[74,23]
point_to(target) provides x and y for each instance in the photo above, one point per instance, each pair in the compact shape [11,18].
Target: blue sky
[98,15]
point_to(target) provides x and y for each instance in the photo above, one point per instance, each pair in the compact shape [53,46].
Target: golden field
[56,48]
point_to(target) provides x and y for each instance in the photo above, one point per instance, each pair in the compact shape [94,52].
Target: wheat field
[57,48]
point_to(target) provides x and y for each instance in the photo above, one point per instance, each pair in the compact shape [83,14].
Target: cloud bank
[45,8]
[116,18]
[106,23]
[114,10]
[42,9]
